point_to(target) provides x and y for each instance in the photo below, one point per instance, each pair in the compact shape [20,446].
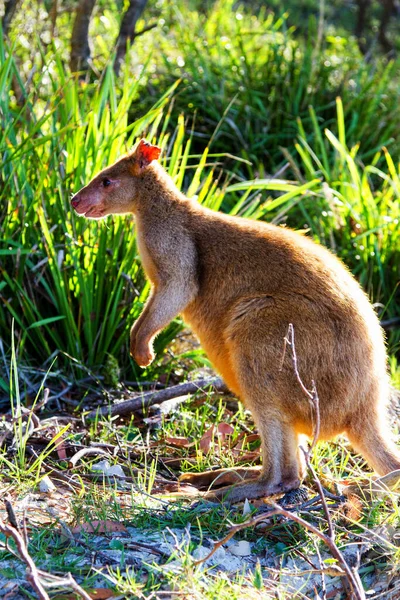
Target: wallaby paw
[143,354]
[144,359]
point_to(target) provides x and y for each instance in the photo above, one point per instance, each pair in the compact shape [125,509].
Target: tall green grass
[251,74]
[68,285]
[250,69]
[355,209]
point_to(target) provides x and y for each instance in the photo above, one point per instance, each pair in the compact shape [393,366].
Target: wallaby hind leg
[370,435]
[280,467]
[281,470]
[255,341]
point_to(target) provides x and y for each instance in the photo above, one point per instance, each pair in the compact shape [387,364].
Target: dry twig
[150,398]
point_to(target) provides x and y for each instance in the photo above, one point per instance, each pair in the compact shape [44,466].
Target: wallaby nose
[75,201]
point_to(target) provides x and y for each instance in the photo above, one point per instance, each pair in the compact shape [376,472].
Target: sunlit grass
[355,209]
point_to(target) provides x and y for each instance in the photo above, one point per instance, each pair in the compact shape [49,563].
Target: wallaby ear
[144,154]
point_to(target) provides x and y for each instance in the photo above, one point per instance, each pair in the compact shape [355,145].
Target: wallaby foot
[220,477]
[250,491]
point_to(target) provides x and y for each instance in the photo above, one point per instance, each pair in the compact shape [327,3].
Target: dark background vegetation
[282,112]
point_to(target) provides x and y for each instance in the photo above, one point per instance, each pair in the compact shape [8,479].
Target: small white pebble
[246,508]
[242,548]
[108,470]
[101,465]
[46,485]
[116,470]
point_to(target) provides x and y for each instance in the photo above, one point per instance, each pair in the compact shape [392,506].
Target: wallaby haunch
[239,284]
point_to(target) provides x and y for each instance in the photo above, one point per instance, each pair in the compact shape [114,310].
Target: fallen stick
[149,398]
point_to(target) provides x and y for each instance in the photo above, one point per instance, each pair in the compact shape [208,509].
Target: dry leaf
[221,431]
[247,457]
[207,440]
[180,488]
[224,429]
[244,439]
[102,593]
[95,593]
[246,508]
[179,442]
[102,526]
[61,449]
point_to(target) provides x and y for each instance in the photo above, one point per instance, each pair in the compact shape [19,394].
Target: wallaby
[239,284]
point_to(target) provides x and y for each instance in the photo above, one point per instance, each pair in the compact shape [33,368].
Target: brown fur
[238,284]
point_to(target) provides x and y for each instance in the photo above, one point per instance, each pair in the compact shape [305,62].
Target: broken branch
[149,398]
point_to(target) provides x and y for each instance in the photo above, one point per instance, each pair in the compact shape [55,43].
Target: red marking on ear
[146,153]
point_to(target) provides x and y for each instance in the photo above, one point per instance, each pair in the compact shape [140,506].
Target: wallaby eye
[106,182]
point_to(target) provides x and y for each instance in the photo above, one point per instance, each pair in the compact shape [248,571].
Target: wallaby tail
[370,436]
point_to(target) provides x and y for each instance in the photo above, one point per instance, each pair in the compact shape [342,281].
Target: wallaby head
[116,189]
